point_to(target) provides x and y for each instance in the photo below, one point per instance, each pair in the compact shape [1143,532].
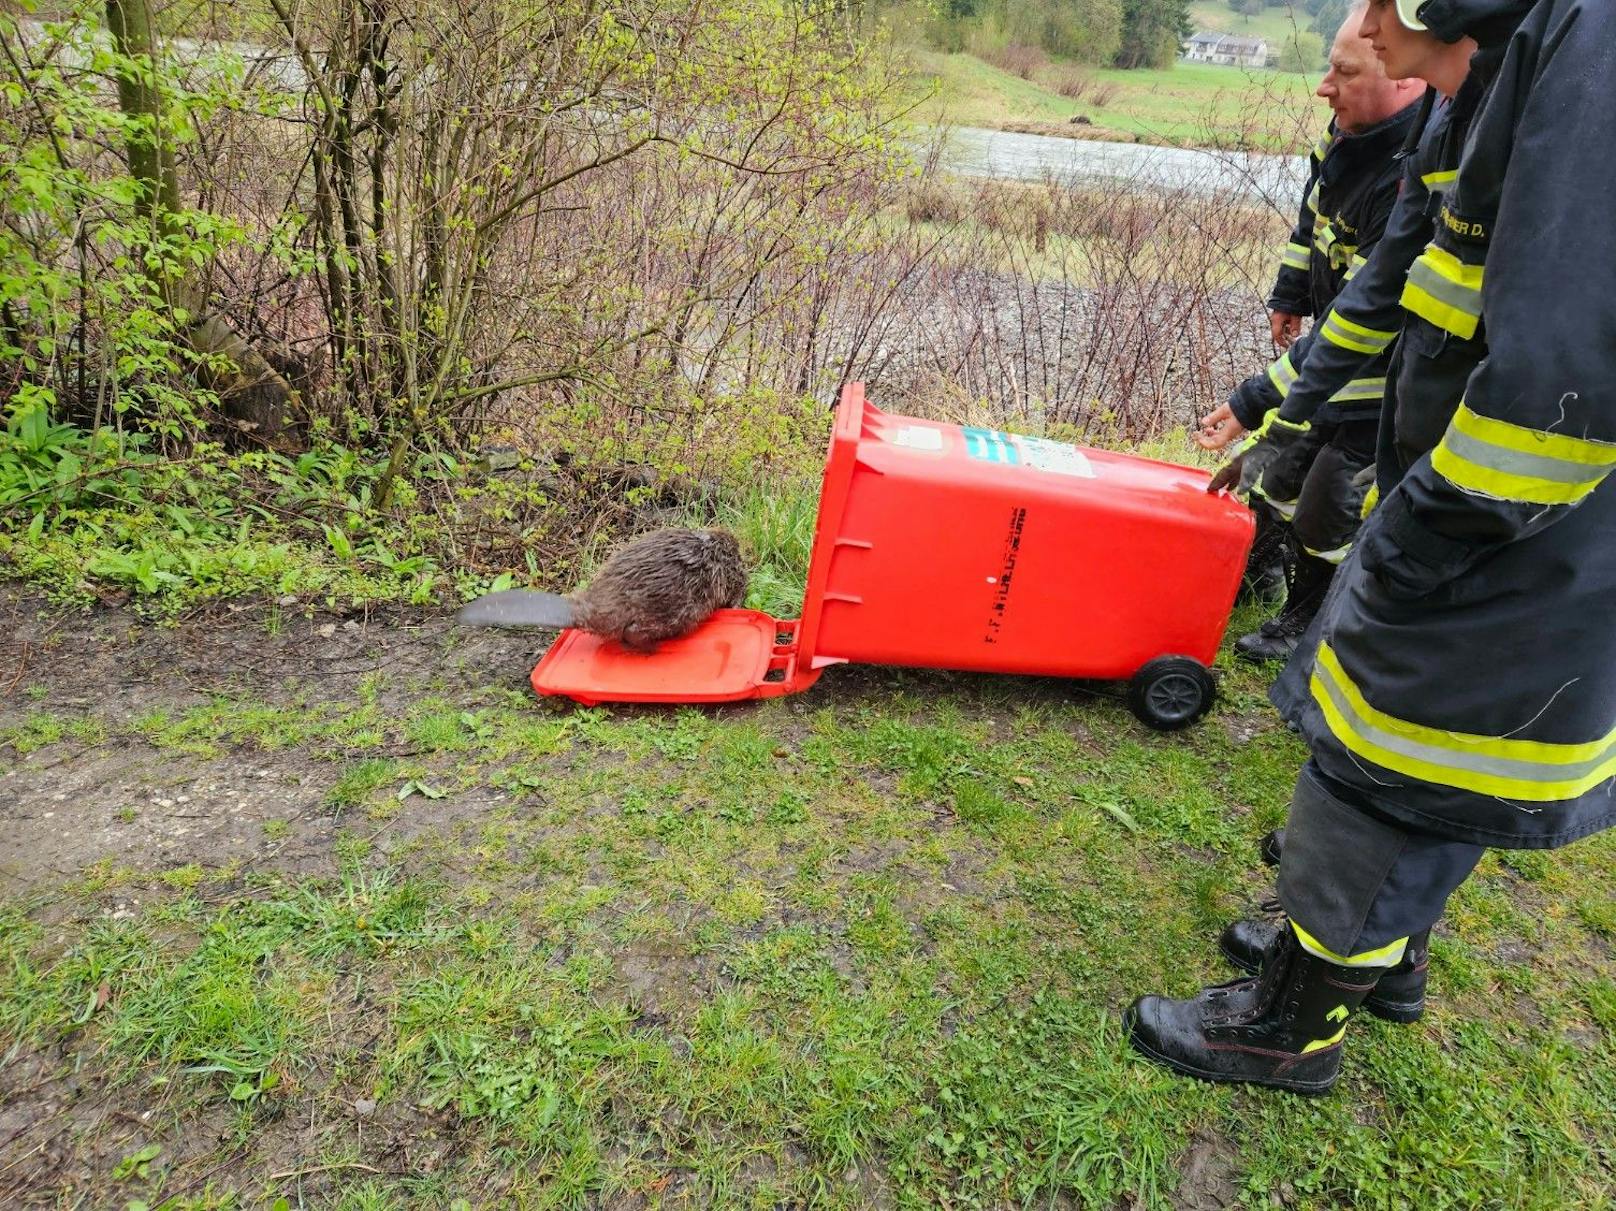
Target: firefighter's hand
[1228,475]
[1285,327]
[1218,429]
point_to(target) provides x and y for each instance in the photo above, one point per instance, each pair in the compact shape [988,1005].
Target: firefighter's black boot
[1277,638]
[1281,1028]
[1264,578]
[1398,997]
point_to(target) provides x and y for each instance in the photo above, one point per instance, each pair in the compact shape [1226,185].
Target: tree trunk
[252,393]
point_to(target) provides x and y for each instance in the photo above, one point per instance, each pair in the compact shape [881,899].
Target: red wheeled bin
[941,546]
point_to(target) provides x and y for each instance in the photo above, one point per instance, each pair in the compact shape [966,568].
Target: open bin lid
[734,655]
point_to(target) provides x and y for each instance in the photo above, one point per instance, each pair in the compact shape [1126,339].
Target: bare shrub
[1070,81]
[1018,59]
[933,200]
[1104,93]
[1017,208]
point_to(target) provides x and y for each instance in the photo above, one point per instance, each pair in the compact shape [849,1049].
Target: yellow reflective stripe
[1370,500]
[1510,462]
[1339,330]
[1337,556]
[1324,237]
[1285,508]
[1361,388]
[1357,263]
[1446,291]
[1313,199]
[1444,315]
[1535,771]
[1283,375]
[1294,256]
[1321,1044]
[1322,146]
[1389,955]
[1436,182]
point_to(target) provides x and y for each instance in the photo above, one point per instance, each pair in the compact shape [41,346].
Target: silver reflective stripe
[1476,763]
[1516,462]
[1362,388]
[1282,374]
[1460,298]
[1350,335]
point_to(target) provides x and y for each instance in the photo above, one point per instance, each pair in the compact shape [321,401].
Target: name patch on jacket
[1466,230]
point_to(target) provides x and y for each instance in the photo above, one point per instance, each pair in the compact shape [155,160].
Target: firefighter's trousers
[1355,885]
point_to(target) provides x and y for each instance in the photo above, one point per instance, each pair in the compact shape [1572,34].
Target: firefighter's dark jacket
[1369,315]
[1461,678]
[1351,189]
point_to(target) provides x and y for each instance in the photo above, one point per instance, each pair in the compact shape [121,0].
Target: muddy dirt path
[109,795]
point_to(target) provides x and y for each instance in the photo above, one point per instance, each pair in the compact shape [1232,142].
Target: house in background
[1230,50]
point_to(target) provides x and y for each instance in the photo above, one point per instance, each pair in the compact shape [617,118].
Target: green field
[1276,24]
[1185,104]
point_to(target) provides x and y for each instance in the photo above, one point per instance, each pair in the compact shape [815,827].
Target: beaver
[660,586]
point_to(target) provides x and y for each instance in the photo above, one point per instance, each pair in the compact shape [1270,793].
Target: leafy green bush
[87,509]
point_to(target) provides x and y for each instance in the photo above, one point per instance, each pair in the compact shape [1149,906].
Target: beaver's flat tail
[518,608]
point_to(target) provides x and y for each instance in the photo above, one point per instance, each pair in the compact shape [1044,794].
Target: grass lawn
[1278,23]
[1189,103]
[303,914]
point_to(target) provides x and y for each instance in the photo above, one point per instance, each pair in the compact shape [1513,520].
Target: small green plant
[34,732]
[183,878]
[417,787]
[137,1164]
[358,782]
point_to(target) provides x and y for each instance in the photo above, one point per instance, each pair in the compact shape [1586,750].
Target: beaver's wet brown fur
[661,586]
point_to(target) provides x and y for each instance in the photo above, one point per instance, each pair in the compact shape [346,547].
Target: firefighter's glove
[1228,475]
[1275,440]
[1286,450]
[1284,435]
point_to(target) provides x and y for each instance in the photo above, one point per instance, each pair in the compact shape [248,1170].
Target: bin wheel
[1171,692]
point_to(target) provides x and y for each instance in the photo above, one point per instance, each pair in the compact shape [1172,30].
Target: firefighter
[1460,687]
[1309,502]
[1366,318]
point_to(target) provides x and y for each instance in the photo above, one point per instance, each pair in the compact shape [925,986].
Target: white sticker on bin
[1055,457]
[917,437]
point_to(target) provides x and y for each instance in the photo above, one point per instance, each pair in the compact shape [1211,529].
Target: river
[974,151]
